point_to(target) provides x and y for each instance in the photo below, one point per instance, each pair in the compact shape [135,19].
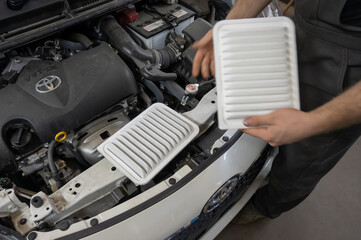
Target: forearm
[289,125]
[247,8]
[342,111]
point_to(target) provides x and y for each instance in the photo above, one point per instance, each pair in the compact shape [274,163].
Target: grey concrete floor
[331,212]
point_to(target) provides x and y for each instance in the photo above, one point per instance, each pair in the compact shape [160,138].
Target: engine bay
[65,94]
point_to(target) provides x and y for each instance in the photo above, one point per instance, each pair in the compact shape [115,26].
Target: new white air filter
[256,68]
[149,142]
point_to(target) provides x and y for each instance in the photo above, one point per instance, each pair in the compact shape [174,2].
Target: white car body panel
[163,219]
[173,212]
[231,213]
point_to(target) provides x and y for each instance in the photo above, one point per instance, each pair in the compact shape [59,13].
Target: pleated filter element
[143,147]
[256,68]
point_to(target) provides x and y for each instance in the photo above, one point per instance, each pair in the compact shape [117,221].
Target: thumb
[257,121]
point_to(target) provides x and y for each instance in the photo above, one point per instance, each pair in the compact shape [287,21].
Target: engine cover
[49,97]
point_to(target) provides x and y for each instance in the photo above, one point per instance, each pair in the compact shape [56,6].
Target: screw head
[32,236]
[225,138]
[94,222]
[172,181]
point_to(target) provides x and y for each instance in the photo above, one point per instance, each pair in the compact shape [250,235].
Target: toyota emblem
[48,84]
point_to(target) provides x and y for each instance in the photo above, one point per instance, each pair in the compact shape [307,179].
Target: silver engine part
[87,188]
[94,134]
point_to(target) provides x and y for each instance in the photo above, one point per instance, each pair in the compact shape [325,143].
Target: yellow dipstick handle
[60,137]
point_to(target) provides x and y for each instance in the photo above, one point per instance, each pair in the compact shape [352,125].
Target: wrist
[318,122]
[247,9]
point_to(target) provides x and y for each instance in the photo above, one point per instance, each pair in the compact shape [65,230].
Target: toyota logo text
[48,84]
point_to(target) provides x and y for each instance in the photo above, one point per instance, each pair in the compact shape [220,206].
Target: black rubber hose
[155,90]
[122,41]
[129,49]
[51,157]
[80,38]
[53,169]
[71,45]
[167,57]
[213,80]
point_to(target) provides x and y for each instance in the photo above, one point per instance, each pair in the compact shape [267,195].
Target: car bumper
[164,210]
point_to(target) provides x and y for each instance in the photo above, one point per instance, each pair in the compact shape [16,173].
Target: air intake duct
[149,61]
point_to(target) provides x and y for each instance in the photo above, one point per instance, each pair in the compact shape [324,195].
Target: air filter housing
[256,68]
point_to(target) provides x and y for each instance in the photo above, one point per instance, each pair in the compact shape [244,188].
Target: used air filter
[149,142]
[256,68]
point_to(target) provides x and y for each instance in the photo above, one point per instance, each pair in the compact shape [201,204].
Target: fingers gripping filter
[256,68]
[149,142]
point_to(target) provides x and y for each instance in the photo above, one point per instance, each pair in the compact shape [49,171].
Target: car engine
[63,95]
[68,93]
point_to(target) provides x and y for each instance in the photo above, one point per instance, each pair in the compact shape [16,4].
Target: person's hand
[280,127]
[204,60]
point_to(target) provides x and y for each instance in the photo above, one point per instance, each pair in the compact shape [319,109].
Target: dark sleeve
[351,13]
